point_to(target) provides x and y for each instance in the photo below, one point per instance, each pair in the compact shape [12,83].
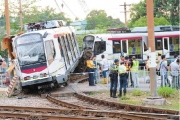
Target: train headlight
[27,78]
[45,75]
[35,77]
[41,75]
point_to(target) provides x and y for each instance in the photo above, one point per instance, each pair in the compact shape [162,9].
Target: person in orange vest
[90,70]
[3,65]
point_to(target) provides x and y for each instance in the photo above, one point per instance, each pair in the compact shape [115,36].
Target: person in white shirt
[104,67]
[174,67]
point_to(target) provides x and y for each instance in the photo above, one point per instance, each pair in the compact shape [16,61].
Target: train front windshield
[88,41]
[30,49]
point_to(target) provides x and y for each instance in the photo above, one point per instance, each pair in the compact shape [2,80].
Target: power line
[58,6]
[69,8]
[125,12]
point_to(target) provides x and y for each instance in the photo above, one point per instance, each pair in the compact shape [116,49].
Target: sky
[112,7]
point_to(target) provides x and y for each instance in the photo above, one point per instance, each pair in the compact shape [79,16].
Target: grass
[136,98]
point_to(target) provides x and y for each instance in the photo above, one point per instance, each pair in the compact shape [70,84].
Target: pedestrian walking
[114,78]
[134,71]
[90,70]
[104,67]
[162,66]
[174,68]
[96,64]
[123,78]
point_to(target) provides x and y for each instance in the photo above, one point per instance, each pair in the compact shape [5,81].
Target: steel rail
[123,106]
[42,116]
[65,104]
[83,112]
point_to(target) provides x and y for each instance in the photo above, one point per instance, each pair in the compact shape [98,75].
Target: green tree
[98,19]
[168,9]
[157,21]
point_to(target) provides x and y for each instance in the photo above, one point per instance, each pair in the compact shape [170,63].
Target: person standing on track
[114,78]
[90,70]
[123,79]
[104,68]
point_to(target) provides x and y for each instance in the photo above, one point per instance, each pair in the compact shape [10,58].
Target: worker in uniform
[90,70]
[134,71]
[114,78]
[123,78]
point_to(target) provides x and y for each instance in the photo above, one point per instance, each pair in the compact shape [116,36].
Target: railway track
[32,113]
[137,111]
[117,106]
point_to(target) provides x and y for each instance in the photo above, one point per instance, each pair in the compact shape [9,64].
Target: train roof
[135,35]
[65,29]
[156,29]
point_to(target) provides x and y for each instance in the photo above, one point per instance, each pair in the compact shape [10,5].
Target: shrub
[165,91]
[123,98]
[137,92]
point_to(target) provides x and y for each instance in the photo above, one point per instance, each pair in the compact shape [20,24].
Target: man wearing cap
[123,79]
[134,71]
[114,78]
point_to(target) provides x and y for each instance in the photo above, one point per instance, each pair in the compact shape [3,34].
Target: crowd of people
[126,68]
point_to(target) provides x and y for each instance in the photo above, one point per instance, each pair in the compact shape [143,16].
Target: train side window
[60,47]
[99,47]
[50,51]
[116,46]
[75,42]
[158,44]
[71,46]
[65,49]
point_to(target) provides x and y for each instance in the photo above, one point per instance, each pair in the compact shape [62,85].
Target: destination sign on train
[28,39]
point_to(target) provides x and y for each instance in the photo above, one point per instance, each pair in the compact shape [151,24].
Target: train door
[165,46]
[116,49]
[124,47]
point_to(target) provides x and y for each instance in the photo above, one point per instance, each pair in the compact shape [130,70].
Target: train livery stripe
[161,36]
[54,73]
[32,70]
[124,38]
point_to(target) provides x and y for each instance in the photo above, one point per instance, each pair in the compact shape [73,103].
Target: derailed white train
[45,57]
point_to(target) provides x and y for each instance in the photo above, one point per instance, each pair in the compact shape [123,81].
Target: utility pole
[125,13]
[150,23]
[7,18]
[20,12]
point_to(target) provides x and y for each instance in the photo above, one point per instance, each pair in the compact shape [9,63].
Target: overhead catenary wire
[69,8]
